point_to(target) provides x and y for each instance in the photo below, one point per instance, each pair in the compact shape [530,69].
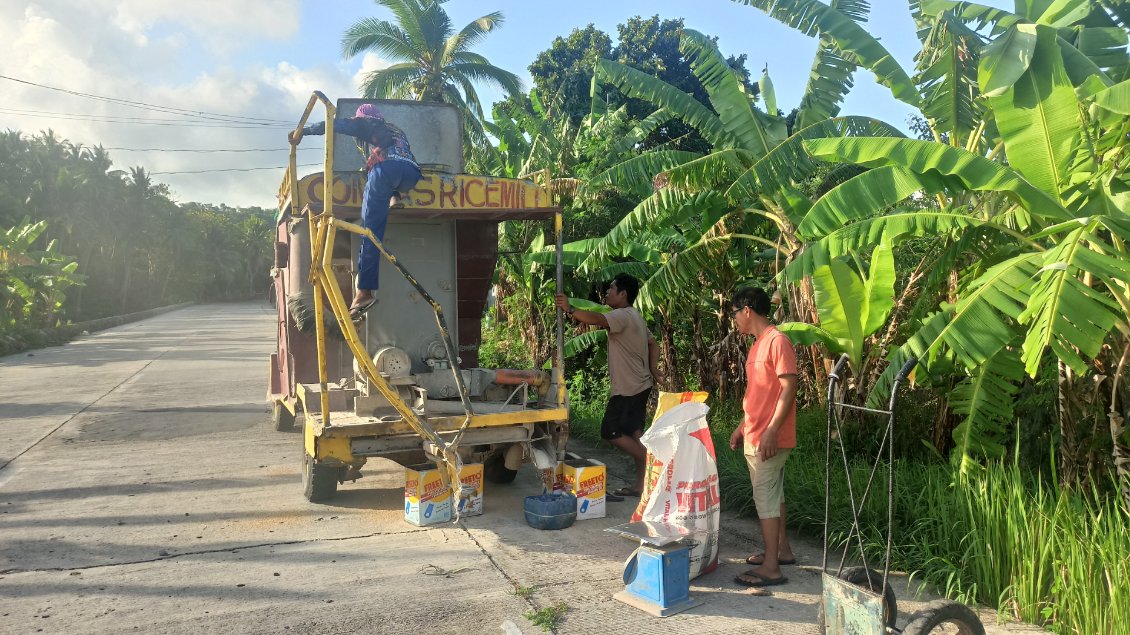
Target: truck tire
[319,482]
[495,470]
[945,612]
[858,577]
[281,419]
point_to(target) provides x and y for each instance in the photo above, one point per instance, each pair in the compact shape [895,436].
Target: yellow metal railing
[323,231]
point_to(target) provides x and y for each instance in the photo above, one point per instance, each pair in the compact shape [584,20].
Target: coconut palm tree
[433,61]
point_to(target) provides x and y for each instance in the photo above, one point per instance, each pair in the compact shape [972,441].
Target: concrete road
[142,490]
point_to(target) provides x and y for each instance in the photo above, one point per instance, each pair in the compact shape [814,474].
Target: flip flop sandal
[625,492]
[357,313]
[760,558]
[763,581]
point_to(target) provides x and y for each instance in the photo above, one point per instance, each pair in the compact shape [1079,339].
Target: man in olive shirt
[632,361]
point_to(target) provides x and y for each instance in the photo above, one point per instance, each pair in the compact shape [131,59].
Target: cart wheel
[319,482]
[495,470]
[281,418]
[858,576]
[945,616]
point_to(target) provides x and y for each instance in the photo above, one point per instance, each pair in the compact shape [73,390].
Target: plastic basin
[551,511]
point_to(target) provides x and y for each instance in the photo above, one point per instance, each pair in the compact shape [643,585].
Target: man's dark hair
[754,297]
[629,285]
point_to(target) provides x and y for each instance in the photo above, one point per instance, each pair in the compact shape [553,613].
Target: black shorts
[624,415]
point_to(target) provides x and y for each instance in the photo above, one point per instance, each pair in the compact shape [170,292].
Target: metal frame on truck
[383,409]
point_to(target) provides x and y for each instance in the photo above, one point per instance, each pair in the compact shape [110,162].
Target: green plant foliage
[32,281]
[548,618]
[818,19]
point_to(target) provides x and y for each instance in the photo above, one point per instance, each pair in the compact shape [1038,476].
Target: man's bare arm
[653,358]
[584,317]
[767,446]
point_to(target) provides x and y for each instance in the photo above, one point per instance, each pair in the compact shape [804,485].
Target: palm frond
[818,19]
[828,83]
[396,81]
[640,85]
[726,94]
[638,173]
[639,270]
[788,162]
[639,132]
[860,197]
[510,83]
[713,171]
[378,36]
[972,171]
[982,322]
[1065,313]
[1038,115]
[864,234]
[473,33]
[682,270]
[947,77]
[986,401]
[662,209]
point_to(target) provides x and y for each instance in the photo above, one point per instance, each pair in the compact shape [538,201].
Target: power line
[209,150]
[202,114]
[142,120]
[281,167]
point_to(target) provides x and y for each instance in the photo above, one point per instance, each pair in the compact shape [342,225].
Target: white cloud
[154,52]
[371,62]
[223,23]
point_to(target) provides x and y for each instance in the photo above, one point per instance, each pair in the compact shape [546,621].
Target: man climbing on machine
[392,171]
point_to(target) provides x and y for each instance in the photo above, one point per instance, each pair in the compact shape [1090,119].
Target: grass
[525,592]
[548,618]
[1002,537]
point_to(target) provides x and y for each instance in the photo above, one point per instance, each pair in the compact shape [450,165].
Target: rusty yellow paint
[325,285]
[289,407]
[350,425]
[334,450]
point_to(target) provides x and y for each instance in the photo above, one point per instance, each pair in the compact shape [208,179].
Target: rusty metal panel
[435,131]
[401,317]
[850,610]
[476,248]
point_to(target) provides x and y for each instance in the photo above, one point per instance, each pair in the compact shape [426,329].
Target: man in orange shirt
[768,431]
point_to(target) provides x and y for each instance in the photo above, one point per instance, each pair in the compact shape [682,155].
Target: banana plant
[1043,215]
[851,307]
[32,281]
[737,195]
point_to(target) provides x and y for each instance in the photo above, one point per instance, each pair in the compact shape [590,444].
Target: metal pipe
[833,378]
[558,225]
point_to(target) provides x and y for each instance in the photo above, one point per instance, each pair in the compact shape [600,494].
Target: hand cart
[858,599]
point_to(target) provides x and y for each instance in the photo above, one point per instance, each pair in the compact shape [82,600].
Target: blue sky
[263,59]
[530,27]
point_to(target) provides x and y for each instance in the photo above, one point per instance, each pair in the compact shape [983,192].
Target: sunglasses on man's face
[734,312]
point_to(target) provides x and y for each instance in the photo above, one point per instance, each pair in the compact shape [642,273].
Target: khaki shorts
[768,480]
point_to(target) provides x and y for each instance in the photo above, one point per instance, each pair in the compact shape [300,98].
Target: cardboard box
[472,474]
[585,479]
[427,501]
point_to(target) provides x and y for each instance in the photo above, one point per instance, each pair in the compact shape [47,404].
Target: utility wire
[208,150]
[143,120]
[281,167]
[202,114]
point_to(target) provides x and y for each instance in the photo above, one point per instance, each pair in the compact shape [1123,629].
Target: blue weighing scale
[657,575]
